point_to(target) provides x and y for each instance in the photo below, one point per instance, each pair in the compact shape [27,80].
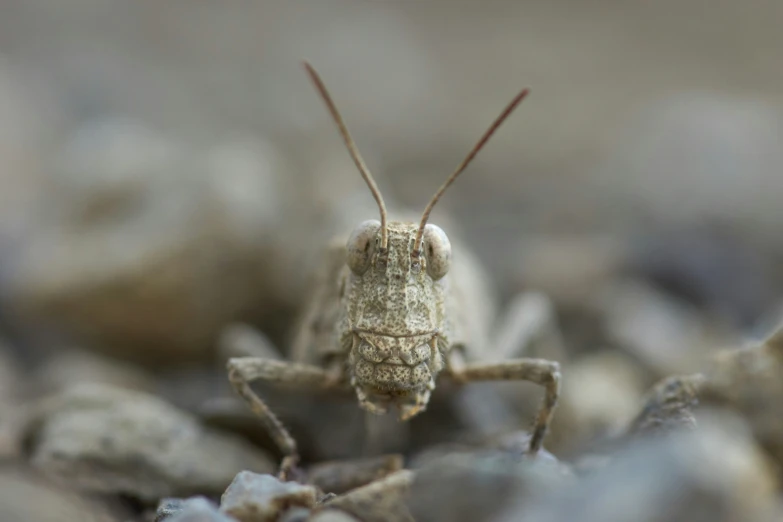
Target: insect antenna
[349,143]
[476,148]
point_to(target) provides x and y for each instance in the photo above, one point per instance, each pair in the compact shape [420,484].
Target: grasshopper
[390,314]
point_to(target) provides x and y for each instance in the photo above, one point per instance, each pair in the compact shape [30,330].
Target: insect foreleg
[540,371]
[244,370]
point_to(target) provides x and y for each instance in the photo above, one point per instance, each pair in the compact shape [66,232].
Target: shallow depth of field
[169,180]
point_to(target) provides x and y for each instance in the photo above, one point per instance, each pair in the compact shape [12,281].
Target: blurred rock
[242,340]
[668,406]
[168,507]
[14,386]
[146,246]
[381,501]
[570,270]
[326,427]
[600,394]
[713,474]
[9,373]
[109,440]
[478,486]
[731,276]
[12,431]
[26,496]
[512,443]
[194,509]
[252,497]
[68,367]
[665,334]
[340,476]
[332,515]
[749,380]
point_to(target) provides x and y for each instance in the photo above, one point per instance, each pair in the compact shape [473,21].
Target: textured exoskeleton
[392,311]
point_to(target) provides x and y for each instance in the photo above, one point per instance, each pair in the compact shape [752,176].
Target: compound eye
[437,251]
[361,246]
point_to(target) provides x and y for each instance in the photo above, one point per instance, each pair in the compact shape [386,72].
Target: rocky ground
[168,180]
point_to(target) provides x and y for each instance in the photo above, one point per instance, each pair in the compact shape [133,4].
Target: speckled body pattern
[393,327]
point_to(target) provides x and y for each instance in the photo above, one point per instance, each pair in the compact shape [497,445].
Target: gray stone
[252,497]
[196,509]
[105,439]
[145,246]
[383,500]
[467,486]
[713,474]
[332,515]
[26,496]
[168,507]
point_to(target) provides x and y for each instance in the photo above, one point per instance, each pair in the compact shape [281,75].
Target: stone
[108,440]
[668,406]
[713,474]
[26,496]
[666,334]
[599,395]
[383,500]
[332,515]
[749,381]
[196,509]
[145,246]
[68,366]
[168,507]
[253,497]
[462,487]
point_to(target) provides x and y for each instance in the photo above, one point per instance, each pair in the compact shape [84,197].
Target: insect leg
[244,370]
[540,371]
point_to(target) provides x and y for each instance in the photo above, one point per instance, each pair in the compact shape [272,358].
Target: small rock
[26,496]
[196,509]
[70,366]
[600,394]
[109,440]
[380,501]
[666,334]
[463,487]
[144,246]
[252,497]
[168,507]
[667,406]
[749,380]
[723,272]
[512,444]
[713,474]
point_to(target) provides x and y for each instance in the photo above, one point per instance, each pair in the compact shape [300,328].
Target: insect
[393,311]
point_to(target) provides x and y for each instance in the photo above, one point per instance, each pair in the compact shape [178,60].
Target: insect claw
[368,405]
[408,412]
[289,470]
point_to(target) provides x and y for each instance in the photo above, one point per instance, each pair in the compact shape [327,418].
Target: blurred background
[167,169]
